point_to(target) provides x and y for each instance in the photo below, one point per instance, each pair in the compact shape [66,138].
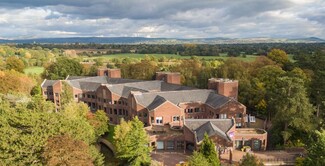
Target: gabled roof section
[156,103]
[212,127]
[47,83]
[184,96]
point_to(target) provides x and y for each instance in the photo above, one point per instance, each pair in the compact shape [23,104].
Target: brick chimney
[224,87]
[169,77]
[110,73]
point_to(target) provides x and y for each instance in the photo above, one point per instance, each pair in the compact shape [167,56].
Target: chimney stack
[169,77]
[110,73]
[224,87]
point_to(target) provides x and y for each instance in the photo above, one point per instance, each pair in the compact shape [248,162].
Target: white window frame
[159,120]
[222,116]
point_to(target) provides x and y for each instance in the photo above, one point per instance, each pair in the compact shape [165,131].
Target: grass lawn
[140,56]
[34,70]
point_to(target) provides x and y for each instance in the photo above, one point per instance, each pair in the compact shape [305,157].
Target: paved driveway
[169,158]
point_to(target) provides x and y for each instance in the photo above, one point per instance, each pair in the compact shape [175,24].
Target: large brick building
[175,116]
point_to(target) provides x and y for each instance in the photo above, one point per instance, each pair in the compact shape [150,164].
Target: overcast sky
[20,19]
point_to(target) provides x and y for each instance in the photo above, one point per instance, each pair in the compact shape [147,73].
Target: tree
[67,94]
[293,110]
[99,121]
[64,150]
[208,150]
[278,56]
[131,142]
[14,63]
[62,68]
[13,81]
[197,159]
[316,152]
[250,160]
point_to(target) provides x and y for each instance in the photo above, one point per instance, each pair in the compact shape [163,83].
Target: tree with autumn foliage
[64,150]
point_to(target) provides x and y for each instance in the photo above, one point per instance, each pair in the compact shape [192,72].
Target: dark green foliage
[197,159]
[293,110]
[26,131]
[62,68]
[250,160]
[208,150]
[316,151]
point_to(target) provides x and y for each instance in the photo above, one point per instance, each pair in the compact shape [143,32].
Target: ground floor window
[180,144]
[159,120]
[160,145]
[170,145]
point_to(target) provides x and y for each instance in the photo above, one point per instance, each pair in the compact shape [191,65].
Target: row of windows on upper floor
[120,102]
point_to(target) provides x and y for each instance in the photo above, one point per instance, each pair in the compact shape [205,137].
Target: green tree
[14,63]
[62,68]
[316,152]
[99,121]
[197,159]
[292,107]
[208,150]
[66,94]
[278,56]
[131,142]
[250,160]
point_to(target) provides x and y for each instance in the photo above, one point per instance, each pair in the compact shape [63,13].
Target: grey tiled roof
[210,126]
[176,97]
[48,83]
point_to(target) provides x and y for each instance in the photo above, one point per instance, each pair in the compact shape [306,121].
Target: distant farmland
[169,56]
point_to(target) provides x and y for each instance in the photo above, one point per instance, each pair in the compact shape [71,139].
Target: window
[83,95]
[120,102]
[120,111]
[110,111]
[159,120]
[170,145]
[238,125]
[88,96]
[197,110]
[115,102]
[99,107]
[93,96]
[176,118]
[145,114]
[126,112]
[104,100]
[115,111]
[190,110]
[223,116]
[140,114]
[239,115]
[180,144]
[75,96]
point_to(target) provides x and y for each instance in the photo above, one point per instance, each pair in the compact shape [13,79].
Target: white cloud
[170,18]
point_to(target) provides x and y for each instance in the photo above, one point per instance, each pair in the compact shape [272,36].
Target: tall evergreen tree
[208,150]
[197,159]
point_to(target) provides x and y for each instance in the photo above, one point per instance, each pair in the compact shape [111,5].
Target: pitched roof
[210,126]
[177,97]
[47,83]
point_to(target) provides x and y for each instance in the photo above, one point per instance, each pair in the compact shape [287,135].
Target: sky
[25,19]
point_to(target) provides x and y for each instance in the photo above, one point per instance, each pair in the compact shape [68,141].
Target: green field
[34,70]
[141,56]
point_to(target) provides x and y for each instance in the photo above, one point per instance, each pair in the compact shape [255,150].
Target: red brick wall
[227,88]
[167,110]
[169,77]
